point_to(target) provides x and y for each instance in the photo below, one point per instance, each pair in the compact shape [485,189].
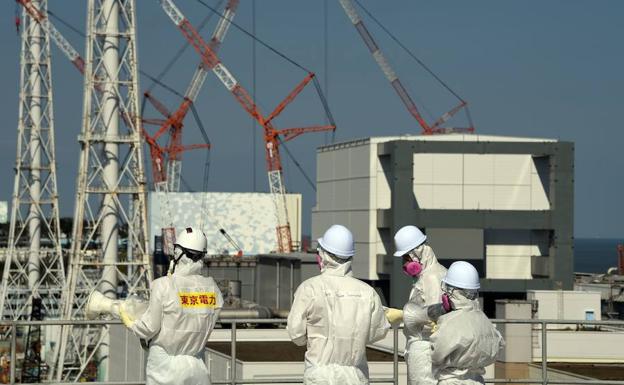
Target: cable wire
[182,49]
[251,35]
[66,24]
[253,93]
[408,51]
[82,34]
[294,160]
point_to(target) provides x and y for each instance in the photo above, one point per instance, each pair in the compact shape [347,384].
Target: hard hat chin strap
[178,252]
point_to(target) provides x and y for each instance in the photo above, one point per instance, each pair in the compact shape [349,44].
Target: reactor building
[505,204]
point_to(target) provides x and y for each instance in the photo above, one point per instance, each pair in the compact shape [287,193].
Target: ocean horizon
[595,255]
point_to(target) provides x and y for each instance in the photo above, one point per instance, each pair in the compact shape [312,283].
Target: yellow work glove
[394,316]
[125,317]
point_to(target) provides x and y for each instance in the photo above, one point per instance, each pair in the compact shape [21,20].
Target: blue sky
[527,68]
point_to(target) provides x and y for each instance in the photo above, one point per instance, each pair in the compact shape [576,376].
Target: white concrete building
[486,199]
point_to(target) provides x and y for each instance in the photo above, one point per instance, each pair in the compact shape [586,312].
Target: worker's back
[465,342]
[343,315]
[190,308]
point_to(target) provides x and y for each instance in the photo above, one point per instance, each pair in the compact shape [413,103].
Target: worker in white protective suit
[336,315]
[183,309]
[465,341]
[420,263]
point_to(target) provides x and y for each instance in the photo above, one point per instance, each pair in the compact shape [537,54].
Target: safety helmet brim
[342,254]
[461,285]
[413,245]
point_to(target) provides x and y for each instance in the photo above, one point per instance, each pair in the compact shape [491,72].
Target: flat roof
[434,138]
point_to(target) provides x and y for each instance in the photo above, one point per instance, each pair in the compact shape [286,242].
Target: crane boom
[393,78]
[271,135]
[174,161]
[60,41]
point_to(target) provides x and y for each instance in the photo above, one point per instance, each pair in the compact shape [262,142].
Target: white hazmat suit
[337,316]
[425,291]
[182,312]
[464,343]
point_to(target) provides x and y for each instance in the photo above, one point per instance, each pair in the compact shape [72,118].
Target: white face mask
[177,254]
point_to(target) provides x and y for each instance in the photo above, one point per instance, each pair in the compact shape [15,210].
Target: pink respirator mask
[446,302]
[319,261]
[412,268]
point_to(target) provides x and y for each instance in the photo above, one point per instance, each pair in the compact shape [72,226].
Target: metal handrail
[278,321]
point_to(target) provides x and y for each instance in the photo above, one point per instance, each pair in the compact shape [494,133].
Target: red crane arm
[291,133]
[293,94]
[158,105]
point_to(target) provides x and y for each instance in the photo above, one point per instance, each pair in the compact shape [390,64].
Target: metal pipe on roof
[253,313]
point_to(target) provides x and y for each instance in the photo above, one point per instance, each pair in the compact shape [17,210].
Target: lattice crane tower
[110,196]
[32,270]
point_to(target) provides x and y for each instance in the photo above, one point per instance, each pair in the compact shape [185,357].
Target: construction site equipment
[393,78]
[167,161]
[38,13]
[34,271]
[272,136]
[239,251]
[111,194]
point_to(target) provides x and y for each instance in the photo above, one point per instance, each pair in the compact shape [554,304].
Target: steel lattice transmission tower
[33,267]
[110,197]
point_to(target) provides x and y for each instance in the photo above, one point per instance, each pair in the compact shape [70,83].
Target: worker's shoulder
[360,285]
[159,282]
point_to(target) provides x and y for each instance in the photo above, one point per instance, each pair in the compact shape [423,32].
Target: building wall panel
[477,197]
[508,267]
[423,168]
[249,218]
[512,197]
[447,196]
[447,168]
[478,169]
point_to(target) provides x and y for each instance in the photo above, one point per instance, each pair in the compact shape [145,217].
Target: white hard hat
[192,238]
[407,239]
[338,240]
[462,275]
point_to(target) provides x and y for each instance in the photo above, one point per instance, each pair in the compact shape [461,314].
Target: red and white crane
[272,136]
[393,78]
[167,161]
[56,36]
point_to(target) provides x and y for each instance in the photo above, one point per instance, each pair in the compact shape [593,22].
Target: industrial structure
[272,137]
[111,191]
[506,203]
[33,278]
[167,161]
[436,127]
[34,268]
[503,203]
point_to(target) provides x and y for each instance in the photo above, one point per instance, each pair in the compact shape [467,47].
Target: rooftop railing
[13,325]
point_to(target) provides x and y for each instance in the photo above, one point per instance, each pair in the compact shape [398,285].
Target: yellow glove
[125,317]
[394,316]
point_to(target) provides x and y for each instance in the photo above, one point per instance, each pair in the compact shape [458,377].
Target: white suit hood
[331,267]
[186,267]
[426,290]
